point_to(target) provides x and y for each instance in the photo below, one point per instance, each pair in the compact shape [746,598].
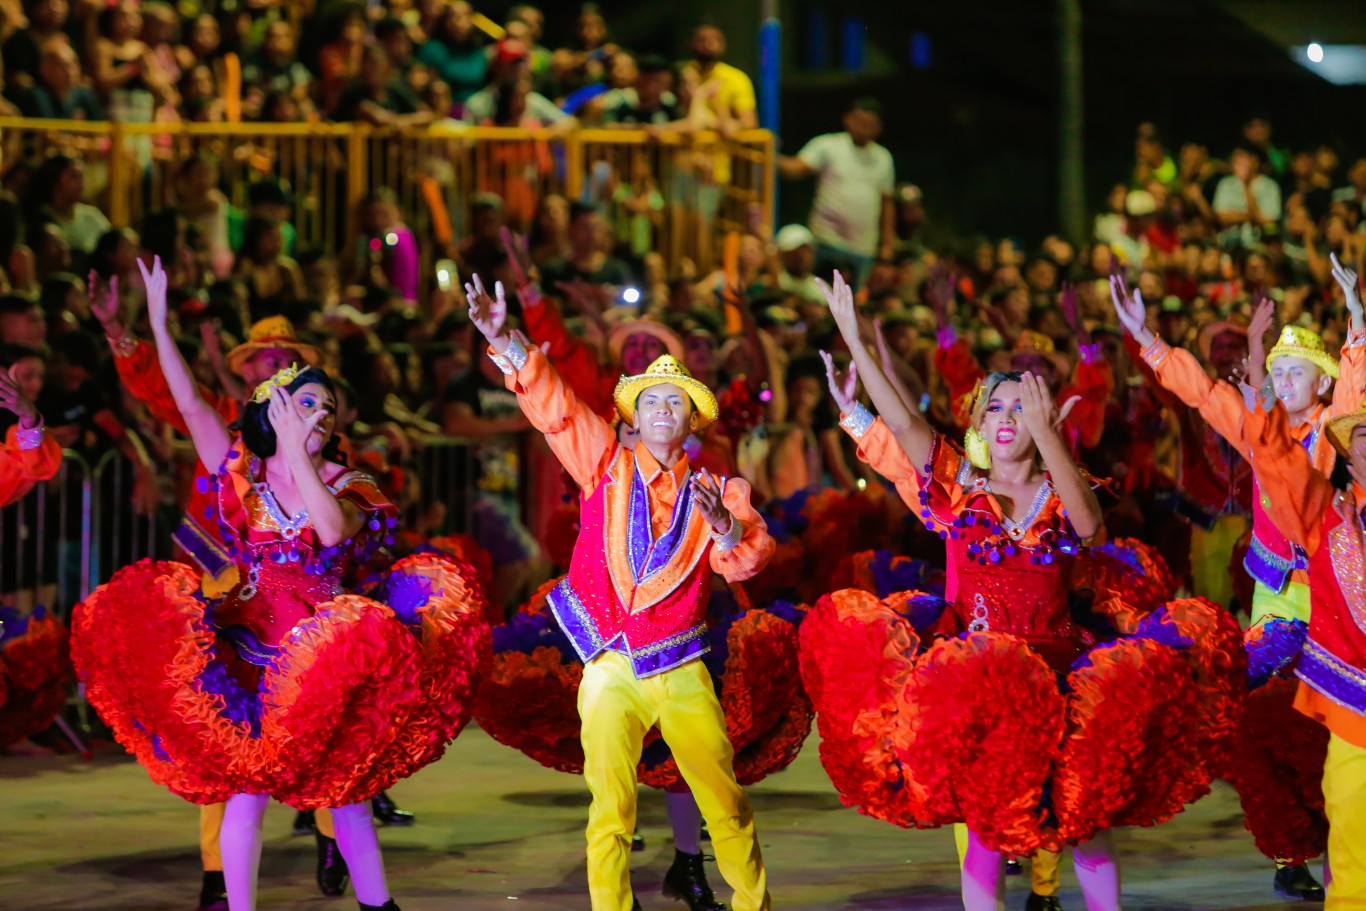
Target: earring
[975,445]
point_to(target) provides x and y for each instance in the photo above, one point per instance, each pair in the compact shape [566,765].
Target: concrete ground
[497,831]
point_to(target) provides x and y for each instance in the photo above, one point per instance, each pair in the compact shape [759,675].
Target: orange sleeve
[1294,493]
[747,549]
[140,372]
[878,448]
[583,442]
[1219,403]
[20,468]
[961,373]
[1350,387]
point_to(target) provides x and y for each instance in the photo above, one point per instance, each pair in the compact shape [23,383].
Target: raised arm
[1040,414]
[909,428]
[27,454]
[207,430]
[1350,387]
[583,442]
[876,445]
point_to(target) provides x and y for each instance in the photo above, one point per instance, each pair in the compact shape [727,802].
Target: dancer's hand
[1037,409]
[1132,313]
[707,496]
[1263,319]
[155,283]
[489,314]
[840,298]
[939,292]
[12,399]
[843,386]
[291,430]
[1067,303]
[1347,281]
[519,257]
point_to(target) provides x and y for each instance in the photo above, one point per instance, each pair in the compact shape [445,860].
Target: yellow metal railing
[710,185]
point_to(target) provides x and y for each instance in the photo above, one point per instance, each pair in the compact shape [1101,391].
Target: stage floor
[497,831]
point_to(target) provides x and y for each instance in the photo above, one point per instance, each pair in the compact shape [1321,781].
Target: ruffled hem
[35,673]
[353,702]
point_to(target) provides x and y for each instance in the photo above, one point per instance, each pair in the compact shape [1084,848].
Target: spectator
[549,237]
[57,193]
[533,20]
[274,67]
[797,253]
[853,217]
[377,97]
[1246,201]
[22,51]
[272,279]
[339,61]
[206,208]
[649,101]
[200,99]
[1354,193]
[125,76]
[21,322]
[1257,133]
[204,45]
[384,232]
[511,64]
[456,53]
[482,251]
[586,261]
[392,35]
[724,90]
[59,94]
[269,200]
[1152,163]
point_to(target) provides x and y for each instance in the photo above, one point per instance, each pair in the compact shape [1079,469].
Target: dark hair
[160,231]
[56,287]
[579,209]
[104,249]
[388,26]
[43,182]
[653,63]
[871,105]
[14,352]
[252,234]
[11,304]
[76,348]
[1248,148]
[255,426]
[267,193]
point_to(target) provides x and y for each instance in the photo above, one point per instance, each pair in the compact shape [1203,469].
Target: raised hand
[591,298]
[104,302]
[707,496]
[291,430]
[489,314]
[1132,313]
[1263,320]
[840,298]
[1037,409]
[155,283]
[1347,281]
[843,386]
[213,342]
[1067,303]
[13,400]
[523,272]
[939,292]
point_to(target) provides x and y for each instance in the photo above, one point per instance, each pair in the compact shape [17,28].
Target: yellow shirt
[727,92]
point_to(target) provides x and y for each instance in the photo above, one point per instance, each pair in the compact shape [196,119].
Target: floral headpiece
[283,378]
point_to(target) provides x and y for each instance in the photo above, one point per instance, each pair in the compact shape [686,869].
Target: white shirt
[851,184]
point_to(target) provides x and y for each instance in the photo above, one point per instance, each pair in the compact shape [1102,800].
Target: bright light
[862,483]
[443,276]
[1314,52]
[631,295]
[391,238]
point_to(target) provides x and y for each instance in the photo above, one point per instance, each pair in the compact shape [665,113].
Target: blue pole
[770,82]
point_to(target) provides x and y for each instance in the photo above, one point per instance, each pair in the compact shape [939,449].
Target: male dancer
[634,603]
[1301,373]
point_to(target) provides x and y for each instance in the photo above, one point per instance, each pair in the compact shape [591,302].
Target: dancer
[1014,511]
[265,691]
[636,614]
[1301,372]
[1327,525]
[28,454]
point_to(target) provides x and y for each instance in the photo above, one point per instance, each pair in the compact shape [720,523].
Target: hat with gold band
[665,369]
[272,332]
[1302,343]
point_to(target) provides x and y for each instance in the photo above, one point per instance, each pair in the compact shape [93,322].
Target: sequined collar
[982,484]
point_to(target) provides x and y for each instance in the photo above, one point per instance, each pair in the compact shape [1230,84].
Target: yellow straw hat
[1340,428]
[1298,342]
[665,369]
[272,332]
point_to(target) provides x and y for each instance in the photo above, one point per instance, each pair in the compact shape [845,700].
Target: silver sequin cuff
[731,538]
[858,420]
[29,439]
[513,357]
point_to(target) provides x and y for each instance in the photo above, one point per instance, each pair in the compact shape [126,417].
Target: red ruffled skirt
[35,672]
[363,693]
[977,729]
[530,699]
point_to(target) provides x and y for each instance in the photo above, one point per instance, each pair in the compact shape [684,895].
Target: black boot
[304,823]
[687,881]
[706,833]
[1039,902]
[637,843]
[387,813]
[332,873]
[213,895]
[387,906]
[1298,884]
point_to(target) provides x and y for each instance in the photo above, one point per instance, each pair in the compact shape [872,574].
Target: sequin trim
[731,539]
[200,547]
[513,357]
[670,653]
[1267,567]
[1349,559]
[1332,677]
[31,438]
[857,421]
[575,620]
[1156,353]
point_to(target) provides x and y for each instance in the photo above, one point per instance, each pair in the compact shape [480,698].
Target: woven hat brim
[1319,359]
[311,356]
[1340,429]
[629,389]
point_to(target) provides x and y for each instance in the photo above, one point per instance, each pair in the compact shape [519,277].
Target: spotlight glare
[1314,52]
[631,295]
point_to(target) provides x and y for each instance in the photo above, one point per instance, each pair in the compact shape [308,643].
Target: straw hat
[665,369]
[272,332]
[618,334]
[1302,343]
[1340,428]
[1031,342]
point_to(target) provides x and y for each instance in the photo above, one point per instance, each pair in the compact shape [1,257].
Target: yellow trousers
[1044,878]
[1291,604]
[211,821]
[617,711]
[1344,796]
[1211,553]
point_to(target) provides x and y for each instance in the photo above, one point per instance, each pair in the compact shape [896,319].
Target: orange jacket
[21,468]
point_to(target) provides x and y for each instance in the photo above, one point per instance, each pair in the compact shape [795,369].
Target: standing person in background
[727,91]
[853,217]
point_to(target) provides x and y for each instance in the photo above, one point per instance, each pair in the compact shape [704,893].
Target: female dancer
[978,728]
[288,686]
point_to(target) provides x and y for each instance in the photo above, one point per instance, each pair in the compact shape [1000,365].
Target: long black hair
[259,435]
